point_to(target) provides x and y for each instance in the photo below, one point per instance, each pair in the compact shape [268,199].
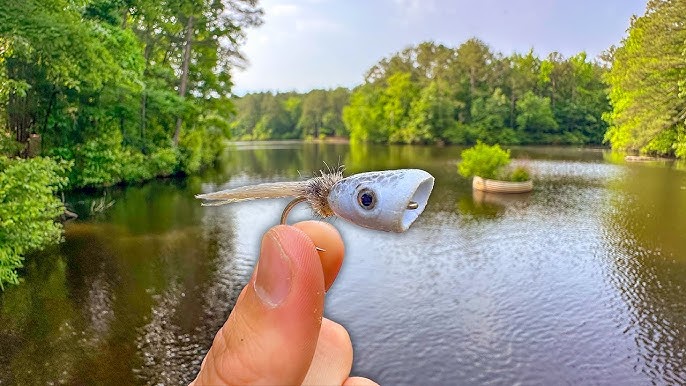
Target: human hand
[276,334]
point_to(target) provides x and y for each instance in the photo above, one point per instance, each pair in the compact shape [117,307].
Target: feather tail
[255,192]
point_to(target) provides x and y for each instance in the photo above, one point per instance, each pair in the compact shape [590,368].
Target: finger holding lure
[388,200]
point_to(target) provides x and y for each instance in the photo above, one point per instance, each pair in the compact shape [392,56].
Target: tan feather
[256,192]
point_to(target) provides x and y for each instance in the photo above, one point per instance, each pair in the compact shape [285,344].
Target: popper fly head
[389,200]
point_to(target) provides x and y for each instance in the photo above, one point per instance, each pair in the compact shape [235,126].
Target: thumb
[271,334]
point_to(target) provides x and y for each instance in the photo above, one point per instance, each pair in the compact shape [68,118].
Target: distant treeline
[432,93]
[290,115]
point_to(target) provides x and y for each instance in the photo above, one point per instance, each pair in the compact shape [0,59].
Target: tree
[648,92]
[431,114]
[314,107]
[472,69]
[333,118]
[535,120]
[489,117]
[469,93]
[364,115]
[125,90]
[398,97]
[523,74]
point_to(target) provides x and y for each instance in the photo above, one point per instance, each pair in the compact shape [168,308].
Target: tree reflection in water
[647,249]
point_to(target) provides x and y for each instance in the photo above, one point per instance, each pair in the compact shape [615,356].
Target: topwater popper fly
[389,200]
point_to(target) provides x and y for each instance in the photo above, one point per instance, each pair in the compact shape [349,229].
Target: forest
[632,97]
[290,115]
[433,93]
[95,93]
[124,90]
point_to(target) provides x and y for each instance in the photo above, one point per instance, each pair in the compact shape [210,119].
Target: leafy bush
[191,152]
[199,148]
[135,167]
[164,162]
[8,145]
[483,160]
[103,161]
[28,209]
[98,162]
[459,134]
[661,144]
[680,143]
[519,174]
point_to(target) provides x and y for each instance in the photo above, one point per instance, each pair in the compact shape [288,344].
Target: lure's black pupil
[366,199]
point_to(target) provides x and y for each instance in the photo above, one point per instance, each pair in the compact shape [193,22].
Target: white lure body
[389,200]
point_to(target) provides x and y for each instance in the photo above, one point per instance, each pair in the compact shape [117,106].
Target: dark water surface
[582,281]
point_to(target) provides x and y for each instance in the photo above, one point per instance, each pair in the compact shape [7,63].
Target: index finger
[326,237]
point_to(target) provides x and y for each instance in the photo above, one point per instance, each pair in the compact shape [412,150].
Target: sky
[307,44]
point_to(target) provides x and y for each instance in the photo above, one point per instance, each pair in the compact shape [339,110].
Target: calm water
[582,281]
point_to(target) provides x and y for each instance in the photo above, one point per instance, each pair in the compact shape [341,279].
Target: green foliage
[648,91]
[103,78]
[28,209]
[535,119]
[362,115]
[110,86]
[8,145]
[519,174]
[104,161]
[483,160]
[434,93]
[134,167]
[164,162]
[489,120]
[98,162]
[198,149]
[290,115]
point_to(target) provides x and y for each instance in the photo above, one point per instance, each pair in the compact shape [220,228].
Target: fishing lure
[389,200]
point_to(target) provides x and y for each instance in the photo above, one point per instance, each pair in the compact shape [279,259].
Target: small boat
[498,186]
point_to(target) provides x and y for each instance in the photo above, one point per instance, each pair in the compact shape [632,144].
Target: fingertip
[326,237]
[359,381]
[333,357]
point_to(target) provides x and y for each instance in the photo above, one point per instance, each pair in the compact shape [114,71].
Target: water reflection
[647,249]
[491,205]
[576,282]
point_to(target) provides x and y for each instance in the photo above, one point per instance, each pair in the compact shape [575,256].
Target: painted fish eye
[366,198]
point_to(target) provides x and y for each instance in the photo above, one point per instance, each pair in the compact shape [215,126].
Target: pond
[581,281]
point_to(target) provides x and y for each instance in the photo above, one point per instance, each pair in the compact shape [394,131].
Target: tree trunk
[184,74]
[472,82]
[51,103]
[513,101]
[124,17]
